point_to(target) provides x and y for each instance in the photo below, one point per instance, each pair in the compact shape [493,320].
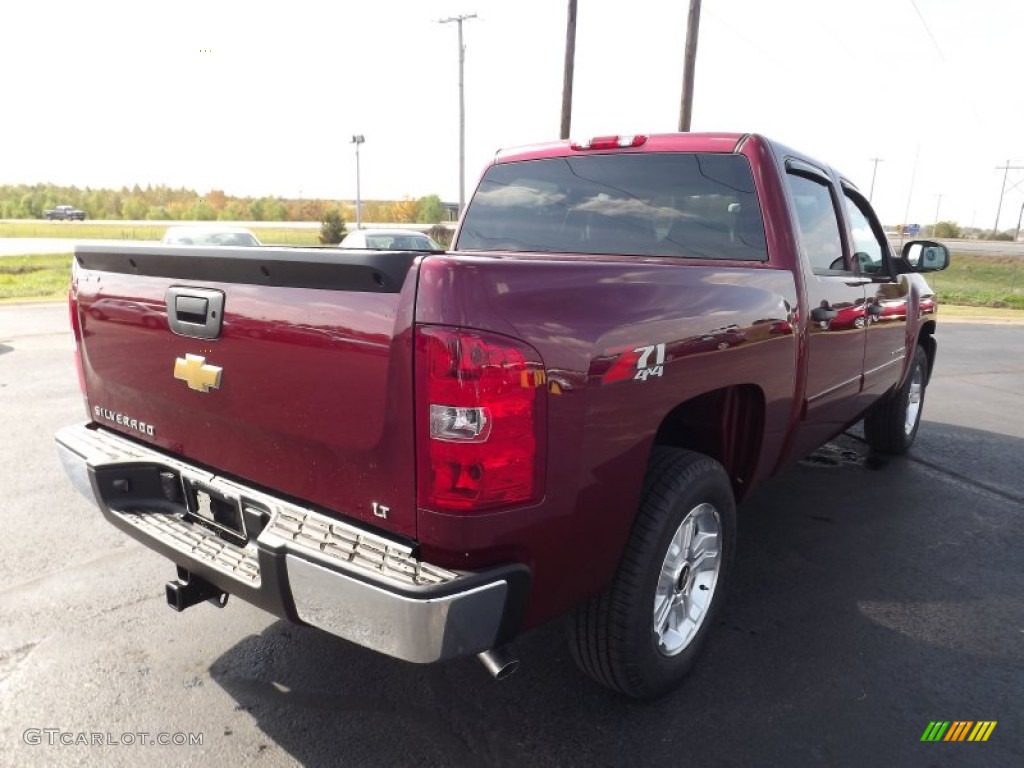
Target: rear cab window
[685,205]
[818,220]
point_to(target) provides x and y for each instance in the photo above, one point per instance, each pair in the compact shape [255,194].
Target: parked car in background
[390,240]
[149,314]
[64,213]
[209,236]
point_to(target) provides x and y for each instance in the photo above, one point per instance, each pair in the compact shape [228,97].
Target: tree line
[162,203]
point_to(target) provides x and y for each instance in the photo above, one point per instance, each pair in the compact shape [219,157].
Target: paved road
[987,247]
[869,598]
[25,246]
[168,223]
[17,246]
[22,246]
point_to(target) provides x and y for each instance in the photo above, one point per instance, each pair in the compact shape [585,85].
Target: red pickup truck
[429,453]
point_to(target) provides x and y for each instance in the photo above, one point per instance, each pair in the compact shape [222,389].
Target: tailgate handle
[195,312]
[191,309]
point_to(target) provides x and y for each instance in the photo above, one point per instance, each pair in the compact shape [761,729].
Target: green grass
[288,235]
[81,230]
[42,276]
[980,280]
[117,231]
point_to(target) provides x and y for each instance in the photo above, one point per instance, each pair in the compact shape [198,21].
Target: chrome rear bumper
[296,562]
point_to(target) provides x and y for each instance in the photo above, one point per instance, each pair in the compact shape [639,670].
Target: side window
[819,226]
[869,244]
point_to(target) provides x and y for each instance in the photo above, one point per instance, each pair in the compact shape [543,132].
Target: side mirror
[925,256]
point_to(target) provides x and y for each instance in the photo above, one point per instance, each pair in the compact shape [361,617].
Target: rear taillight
[76,331]
[480,405]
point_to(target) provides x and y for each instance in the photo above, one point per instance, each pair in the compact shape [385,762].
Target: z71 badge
[639,364]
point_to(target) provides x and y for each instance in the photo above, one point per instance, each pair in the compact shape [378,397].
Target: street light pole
[462,106]
[357,140]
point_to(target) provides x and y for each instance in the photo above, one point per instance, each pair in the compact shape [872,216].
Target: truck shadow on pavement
[869,596]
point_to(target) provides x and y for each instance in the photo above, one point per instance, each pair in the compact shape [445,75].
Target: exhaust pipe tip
[500,664]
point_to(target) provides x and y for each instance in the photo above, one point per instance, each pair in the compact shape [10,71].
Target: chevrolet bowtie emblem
[193,370]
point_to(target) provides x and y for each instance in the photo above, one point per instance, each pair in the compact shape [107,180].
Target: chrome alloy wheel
[689,575]
[914,399]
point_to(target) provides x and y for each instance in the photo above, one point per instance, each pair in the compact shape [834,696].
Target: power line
[749,42]
[910,192]
[924,23]
[876,161]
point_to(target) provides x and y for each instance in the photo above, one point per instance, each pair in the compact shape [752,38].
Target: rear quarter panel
[721,324]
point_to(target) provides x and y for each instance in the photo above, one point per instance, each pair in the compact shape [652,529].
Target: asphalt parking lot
[869,598]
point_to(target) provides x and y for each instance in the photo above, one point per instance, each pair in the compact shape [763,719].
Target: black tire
[613,637]
[891,425]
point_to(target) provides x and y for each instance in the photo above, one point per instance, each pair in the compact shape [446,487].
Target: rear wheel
[644,632]
[891,425]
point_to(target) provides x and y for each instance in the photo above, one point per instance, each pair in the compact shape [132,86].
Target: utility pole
[1020,215]
[910,194]
[689,62]
[1002,190]
[357,140]
[876,161]
[462,106]
[570,61]
[935,226]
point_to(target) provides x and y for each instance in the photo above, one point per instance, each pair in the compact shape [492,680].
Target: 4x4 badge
[193,370]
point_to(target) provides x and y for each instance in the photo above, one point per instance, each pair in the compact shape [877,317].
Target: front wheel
[891,425]
[644,632]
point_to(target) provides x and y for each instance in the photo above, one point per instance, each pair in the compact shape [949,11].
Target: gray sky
[263,97]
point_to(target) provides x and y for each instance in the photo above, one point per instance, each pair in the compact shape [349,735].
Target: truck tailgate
[300,381]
